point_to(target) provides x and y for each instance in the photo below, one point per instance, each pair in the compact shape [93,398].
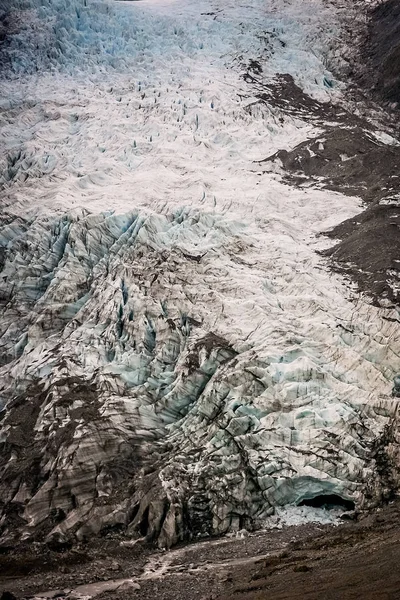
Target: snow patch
[301,515]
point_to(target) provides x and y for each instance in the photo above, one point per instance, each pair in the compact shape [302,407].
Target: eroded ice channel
[177,358]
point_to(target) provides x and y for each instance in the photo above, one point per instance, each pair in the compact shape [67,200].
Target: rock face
[131,403]
[381,51]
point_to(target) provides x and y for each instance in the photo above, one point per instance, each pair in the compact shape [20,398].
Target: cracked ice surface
[176,357]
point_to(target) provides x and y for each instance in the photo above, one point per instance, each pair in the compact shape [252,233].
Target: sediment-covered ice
[176,358]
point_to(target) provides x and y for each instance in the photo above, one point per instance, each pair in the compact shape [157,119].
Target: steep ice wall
[179,375]
[176,359]
[92,36]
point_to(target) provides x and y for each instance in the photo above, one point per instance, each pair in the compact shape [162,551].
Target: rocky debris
[362,162]
[91,590]
[34,568]
[287,100]
[369,251]
[352,160]
[275,94]
[353,560]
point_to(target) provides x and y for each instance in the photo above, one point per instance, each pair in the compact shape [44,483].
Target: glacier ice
[176,359]
[141,406]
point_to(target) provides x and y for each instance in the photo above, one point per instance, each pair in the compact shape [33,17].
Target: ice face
[148,347]
[92,35]
[176,358]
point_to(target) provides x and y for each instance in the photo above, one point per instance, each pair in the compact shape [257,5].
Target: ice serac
[146,388]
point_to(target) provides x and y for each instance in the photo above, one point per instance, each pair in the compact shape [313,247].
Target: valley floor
[309,562]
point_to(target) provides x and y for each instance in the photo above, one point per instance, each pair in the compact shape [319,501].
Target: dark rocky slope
[381,52]
[350,159]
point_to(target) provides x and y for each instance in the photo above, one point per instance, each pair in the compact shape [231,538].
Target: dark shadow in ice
[328,502]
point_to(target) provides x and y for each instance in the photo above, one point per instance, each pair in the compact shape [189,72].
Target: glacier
[178,360]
